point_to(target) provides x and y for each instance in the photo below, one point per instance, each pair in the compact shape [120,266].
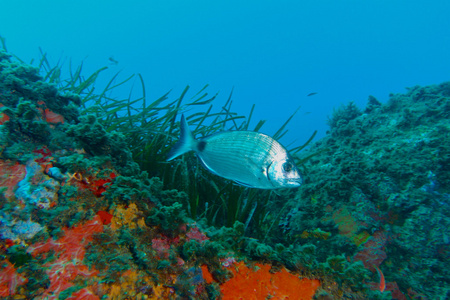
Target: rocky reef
[378,192]
[79,219]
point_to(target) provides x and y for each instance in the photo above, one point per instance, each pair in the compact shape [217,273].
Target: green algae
[394,202]
[151,128]
[78,197]
[107,127]
[343,115]
[129,189]
[96,131]
[18,256]
[169,218]
[388,163]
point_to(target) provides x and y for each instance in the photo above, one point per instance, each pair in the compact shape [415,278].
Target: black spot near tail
[201,146]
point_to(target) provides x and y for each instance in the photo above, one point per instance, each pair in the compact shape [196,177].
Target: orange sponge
[261,284]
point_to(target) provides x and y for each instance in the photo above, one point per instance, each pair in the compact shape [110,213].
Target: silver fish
[249,158]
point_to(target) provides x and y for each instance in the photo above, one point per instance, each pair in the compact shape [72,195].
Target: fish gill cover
[80,218]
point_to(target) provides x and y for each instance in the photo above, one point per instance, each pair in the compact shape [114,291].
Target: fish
[113,61]
[311,94]
[248,158]
[382,281]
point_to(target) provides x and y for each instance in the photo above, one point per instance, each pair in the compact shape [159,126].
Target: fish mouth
[296,181]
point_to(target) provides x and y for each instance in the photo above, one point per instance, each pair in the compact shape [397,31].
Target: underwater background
[270,54]
[91,95]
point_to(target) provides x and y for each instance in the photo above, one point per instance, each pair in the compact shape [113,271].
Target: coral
[72,244]
[162,247]
[40,112]
[373,253]
[195,234]
[97,186]
[345,221]
[377,193]
[136,285]
[316,233]
[70,251]
[37,188]
[83,294]
[105,216]
[191,284]
[260,283]
[55,173]
[9,279]
[19,229]
[24,81]
[206,274]
[348,226]
[3,117]
[129,217]
[61,274]
[361,238]
[51,117]
[10,175]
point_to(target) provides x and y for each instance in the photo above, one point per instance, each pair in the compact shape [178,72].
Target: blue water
[273,53]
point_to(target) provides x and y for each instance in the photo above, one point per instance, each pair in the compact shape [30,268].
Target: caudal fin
[186,142]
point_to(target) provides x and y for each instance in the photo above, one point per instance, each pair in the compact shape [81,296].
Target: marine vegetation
[91,209]
[78,217]
[150,128]
[382,197]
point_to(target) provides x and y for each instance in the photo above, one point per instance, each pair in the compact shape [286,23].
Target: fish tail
[186,142]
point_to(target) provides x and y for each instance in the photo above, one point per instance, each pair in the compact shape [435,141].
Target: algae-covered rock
[78,219]
[169,218]
[38,113]
[379,183]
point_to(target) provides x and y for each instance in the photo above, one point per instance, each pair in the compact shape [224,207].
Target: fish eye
[287,167]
